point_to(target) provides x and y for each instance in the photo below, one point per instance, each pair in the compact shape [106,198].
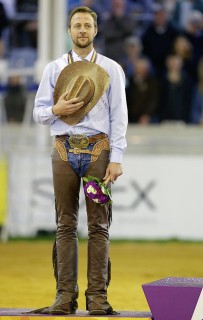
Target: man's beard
[85,45]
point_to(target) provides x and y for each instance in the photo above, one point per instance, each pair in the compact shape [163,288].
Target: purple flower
[97,191]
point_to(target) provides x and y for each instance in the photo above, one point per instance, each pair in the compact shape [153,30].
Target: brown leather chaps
[66,188]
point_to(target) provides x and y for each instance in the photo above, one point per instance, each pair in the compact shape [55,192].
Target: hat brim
[98,75]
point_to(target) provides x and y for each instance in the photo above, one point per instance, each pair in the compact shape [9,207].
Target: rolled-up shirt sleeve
[118,114]
[42,112]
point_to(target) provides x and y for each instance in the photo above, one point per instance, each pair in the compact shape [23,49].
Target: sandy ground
[26,275]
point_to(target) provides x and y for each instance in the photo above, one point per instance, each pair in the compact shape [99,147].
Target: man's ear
[69,31]
[96,30]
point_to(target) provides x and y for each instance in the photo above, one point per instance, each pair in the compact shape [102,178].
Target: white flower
[90,189]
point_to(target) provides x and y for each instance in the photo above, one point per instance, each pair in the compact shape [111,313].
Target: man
[142,94]
[116,28]
[183,10]
[89,140]
[3,24]
[158,39]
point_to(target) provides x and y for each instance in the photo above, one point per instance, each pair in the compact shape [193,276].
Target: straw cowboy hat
[85,80]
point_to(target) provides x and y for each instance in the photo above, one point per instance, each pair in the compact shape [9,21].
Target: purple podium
[175,298]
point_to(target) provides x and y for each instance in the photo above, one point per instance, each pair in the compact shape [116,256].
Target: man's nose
[82,30]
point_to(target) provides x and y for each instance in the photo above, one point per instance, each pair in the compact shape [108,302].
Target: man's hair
[83,10]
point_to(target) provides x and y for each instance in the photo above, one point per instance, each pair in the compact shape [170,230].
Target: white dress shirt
[109,115]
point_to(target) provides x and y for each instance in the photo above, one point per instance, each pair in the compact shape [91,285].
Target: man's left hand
[114,170]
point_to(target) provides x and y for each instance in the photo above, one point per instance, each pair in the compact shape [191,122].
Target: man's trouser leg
[66,188]
[98,243]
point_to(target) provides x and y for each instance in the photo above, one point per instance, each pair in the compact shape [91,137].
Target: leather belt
[81,140]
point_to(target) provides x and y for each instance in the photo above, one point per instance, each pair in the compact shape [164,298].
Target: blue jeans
[79,162]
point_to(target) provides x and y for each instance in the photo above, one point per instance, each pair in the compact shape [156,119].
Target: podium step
[20,314]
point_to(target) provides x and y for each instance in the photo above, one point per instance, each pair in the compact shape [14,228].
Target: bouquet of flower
[97,191]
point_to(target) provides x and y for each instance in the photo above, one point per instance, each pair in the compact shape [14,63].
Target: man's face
[160,18]
[82,29]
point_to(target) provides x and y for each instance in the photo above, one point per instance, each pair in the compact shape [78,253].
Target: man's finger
[77,105]
[74,100]
[73,108]
[64,95]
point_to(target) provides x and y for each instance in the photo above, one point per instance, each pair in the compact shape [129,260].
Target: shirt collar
[76,57]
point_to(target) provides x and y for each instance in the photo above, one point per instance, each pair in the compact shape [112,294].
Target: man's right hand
[65,107]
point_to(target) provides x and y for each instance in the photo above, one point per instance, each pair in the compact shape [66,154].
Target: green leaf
[90,178]
[93,178]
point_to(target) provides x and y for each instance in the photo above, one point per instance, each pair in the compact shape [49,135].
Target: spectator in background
[142,94]
[175,92]
[116,29]
[183,11]
[133,51]
[24,30]
[183,48]
[25,34]
[158,39]
[197,101]
[3,24]
[170,5]
[100,11]
[194,33]
[15,100]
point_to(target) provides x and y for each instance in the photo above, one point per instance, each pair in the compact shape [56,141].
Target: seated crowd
[159,44]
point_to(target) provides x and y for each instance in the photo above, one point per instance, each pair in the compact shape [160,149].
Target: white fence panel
[158,197]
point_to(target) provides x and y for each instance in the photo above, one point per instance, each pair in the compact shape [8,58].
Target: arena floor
[27,279]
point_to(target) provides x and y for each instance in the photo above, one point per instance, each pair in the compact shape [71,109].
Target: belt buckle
[78,141]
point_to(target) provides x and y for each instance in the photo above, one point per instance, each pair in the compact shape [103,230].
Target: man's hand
[114,170]
[65,107]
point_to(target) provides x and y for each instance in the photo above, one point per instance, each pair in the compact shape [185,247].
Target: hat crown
[82,87]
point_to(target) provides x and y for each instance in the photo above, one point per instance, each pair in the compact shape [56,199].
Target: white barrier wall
[158,197]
